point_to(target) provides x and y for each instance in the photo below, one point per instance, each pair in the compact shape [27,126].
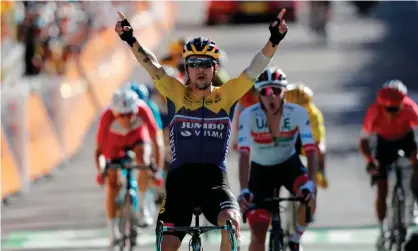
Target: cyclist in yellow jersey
[200,129]
[302,95]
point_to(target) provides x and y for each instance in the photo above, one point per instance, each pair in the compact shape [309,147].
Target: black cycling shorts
[193,185]
[387,152]
[264,179]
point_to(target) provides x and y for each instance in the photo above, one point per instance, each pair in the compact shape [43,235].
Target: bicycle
[397,227]
[277,234]
[195,232]
[127,198]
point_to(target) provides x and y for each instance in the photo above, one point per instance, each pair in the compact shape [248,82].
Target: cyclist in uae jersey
[302,95]
[393,119]
[200,129]
[127,124]
[268,132]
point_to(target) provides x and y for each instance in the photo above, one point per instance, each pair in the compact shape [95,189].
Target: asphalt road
[345,76]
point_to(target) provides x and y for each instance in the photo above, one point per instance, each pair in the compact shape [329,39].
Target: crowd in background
[52,32]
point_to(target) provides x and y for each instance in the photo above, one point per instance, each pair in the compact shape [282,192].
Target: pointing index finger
[281,14]
[121,16]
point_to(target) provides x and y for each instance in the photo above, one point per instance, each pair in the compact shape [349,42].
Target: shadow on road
[396,56]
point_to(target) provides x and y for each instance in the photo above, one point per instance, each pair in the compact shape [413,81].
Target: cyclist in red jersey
[127,123]
[393,119]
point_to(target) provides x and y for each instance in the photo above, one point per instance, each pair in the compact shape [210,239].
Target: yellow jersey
[200,128]
[316,120]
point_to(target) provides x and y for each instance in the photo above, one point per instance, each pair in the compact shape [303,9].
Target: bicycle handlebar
[191,230]
[276,200]
[196,232]
[118,164]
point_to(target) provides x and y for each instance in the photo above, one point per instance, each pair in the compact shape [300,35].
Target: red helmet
[392,93]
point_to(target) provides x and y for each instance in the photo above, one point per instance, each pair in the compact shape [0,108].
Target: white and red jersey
[254,134]
[114,138]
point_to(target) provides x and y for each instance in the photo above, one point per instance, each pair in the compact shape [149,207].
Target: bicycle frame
[277,235]
[195,232]
[398,214]
[128,196]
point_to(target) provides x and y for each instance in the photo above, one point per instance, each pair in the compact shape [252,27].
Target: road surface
[345,76]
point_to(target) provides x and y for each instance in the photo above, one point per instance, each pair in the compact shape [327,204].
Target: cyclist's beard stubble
[202,84]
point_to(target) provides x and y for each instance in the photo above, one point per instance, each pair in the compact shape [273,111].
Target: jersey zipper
[201,131]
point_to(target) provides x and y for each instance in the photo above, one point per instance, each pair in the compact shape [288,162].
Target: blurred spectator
[52,32]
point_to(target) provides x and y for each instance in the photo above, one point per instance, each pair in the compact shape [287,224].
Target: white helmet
[271,76]
[124,101]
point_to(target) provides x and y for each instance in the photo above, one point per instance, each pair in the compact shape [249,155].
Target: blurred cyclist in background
[393,119]
[127,123]
[143,94]
[302,95]
[149,203]
[174,59]
[319,16]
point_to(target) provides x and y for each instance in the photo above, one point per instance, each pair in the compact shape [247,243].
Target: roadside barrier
[10,177]
[46,123]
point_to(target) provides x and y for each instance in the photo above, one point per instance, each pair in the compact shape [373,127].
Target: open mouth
[201,77]
[271,105]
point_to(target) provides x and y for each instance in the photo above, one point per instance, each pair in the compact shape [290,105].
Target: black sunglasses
[392,109]
[205,63]
[266,91]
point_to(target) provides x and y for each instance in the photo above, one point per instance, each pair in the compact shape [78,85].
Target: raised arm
[237,87]
[145,57]
[278,30]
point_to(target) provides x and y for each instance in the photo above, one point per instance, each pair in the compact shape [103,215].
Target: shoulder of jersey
[107,111]
[253,107]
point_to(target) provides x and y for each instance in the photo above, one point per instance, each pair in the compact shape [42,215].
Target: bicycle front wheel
[126,226]
[398,219]
[276,242]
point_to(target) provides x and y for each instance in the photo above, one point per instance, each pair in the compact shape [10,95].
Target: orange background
[80,100]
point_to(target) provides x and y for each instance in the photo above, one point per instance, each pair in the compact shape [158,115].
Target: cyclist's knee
[259,233]
[170,243]
[258,220]
[144,177]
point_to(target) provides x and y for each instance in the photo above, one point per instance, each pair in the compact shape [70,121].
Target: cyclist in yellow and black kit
[302,95]
[200,129]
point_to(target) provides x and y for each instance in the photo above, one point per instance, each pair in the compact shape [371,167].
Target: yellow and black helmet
[298,94]
[201,47]
[175,47]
